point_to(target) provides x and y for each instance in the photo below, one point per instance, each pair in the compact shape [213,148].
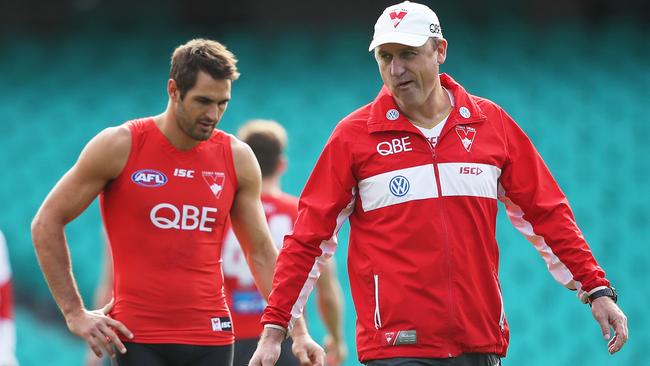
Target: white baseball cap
[406,23]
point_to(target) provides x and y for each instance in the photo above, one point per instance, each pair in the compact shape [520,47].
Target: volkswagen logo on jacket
[399,186]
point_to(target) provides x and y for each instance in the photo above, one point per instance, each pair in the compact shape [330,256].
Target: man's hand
[308,352]
[97,330]
[335,351]
[93,360]
[607,314]
[268,348]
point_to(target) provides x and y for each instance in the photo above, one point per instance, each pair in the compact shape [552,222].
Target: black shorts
[146,354]
[244,349]
[467,359]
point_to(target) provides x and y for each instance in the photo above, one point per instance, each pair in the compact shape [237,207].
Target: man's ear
[282,165]
[442,51]
[172,90]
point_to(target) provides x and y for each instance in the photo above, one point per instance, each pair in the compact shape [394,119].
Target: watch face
[614,294]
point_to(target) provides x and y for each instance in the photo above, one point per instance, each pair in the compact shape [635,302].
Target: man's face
[198,113]
[410,73]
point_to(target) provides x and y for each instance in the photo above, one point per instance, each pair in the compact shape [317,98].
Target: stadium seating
[581,97]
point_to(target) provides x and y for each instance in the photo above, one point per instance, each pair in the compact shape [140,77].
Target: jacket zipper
[436,174]
[377,317]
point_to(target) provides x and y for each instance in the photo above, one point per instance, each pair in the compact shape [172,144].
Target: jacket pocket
[377,313]
[502,315]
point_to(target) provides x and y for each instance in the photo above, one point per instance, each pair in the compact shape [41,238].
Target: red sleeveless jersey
[246,304]
[165,216]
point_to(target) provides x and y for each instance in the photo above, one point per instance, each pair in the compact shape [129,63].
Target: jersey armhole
[230,163]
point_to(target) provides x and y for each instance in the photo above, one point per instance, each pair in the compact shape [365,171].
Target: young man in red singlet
[167,185]
[268,140]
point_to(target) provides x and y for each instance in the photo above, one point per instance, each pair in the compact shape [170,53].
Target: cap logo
[434,28]
[397,16]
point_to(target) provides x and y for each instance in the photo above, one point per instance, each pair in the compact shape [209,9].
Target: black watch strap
[609,292]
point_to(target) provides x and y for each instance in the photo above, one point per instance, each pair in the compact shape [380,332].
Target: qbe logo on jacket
[399,186]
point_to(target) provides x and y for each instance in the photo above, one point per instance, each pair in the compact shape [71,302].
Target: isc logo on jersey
[221,324]
[149,178]
[167,216]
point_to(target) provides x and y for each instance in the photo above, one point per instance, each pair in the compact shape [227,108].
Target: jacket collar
[386,116]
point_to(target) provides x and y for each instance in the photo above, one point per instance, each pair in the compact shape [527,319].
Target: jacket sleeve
[7,324]
[326,201]
[539,209]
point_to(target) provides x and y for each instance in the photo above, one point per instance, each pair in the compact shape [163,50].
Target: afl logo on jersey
[149,178]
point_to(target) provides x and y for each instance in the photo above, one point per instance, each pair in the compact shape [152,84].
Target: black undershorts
[147,354]
[467,359]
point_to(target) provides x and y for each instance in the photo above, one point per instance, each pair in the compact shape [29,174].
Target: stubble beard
[191,128]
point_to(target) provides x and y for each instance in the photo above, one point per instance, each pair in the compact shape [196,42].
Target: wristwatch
[608,291]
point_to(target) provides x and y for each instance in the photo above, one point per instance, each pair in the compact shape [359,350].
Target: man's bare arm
[101,160]
[251,229]
[330,305]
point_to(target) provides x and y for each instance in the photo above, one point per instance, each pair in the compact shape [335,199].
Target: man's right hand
[98,330]
[268,348]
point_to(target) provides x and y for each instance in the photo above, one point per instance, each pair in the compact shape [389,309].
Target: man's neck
[271,186]
[433,111]
[166,123]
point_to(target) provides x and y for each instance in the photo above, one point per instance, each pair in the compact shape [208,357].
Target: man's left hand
[607,314]
[308,352]
[335,351]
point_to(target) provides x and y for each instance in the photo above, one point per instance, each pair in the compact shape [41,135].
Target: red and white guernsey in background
[165,216]
[423,259]
[7,324]
[244,300]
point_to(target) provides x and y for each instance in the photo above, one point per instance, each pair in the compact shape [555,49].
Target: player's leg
[477,359]
[286,355]
[140,354]
[244,349]
[212,355]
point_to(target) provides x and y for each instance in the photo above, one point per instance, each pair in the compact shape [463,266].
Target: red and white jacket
[7,324]
[423,259]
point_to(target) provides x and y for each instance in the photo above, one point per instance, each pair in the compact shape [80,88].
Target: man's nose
[214,112]
[396,67]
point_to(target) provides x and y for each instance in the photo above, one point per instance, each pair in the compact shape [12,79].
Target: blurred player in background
[7,324]
[268,140]
[167,186]
[418,172]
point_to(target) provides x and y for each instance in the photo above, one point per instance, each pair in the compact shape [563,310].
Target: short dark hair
[267,139]
[204,55]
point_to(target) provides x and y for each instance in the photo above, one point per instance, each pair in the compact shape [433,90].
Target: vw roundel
[399,186]
[149,178]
